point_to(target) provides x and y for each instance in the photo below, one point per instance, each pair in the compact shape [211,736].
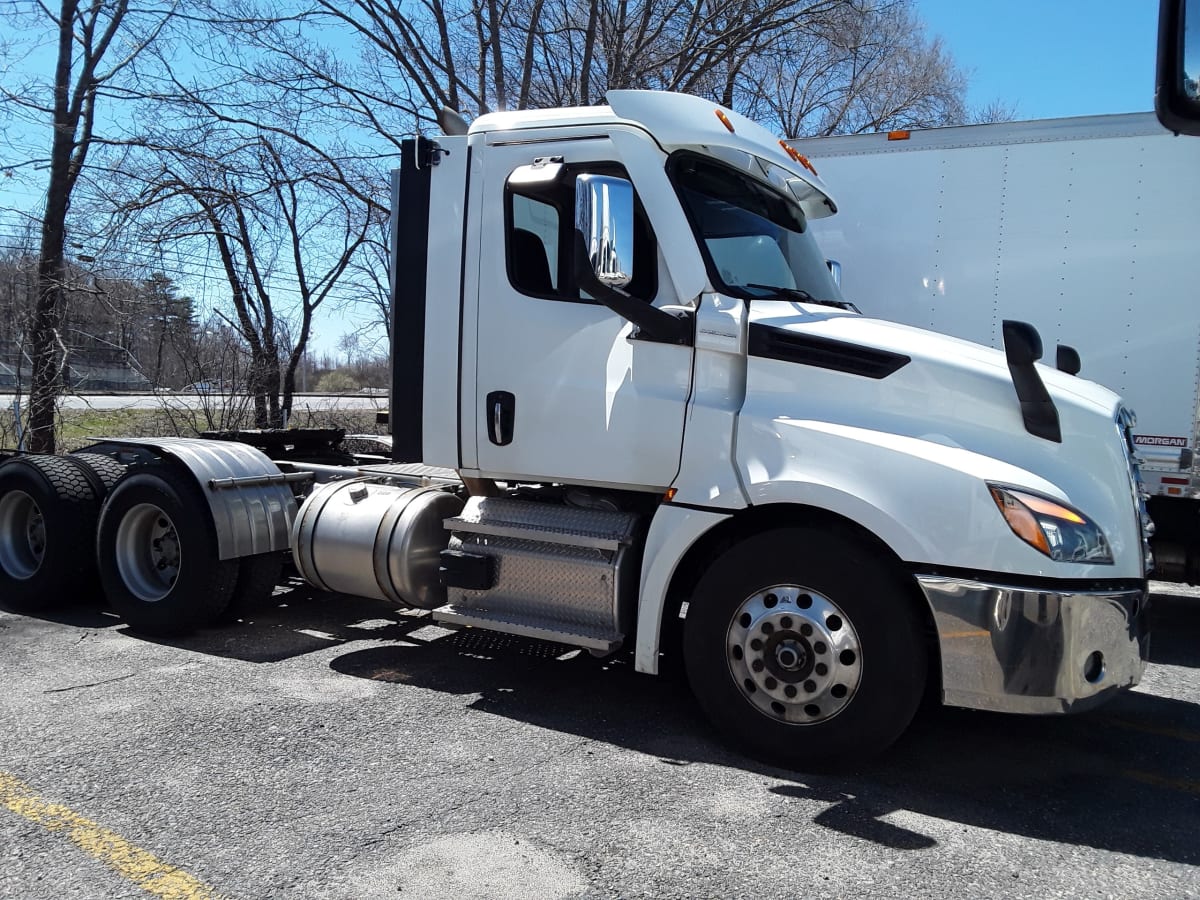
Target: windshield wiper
[800,296]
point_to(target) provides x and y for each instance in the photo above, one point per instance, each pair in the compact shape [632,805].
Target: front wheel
[804,646]
[158,554]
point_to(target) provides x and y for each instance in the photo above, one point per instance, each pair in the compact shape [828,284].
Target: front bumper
[1021,650]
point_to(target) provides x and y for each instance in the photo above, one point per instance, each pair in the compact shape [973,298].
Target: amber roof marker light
[797,156]
[724,119]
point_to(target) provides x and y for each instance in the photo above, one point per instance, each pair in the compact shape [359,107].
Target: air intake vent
[824,353]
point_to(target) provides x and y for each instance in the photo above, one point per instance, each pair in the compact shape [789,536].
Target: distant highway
[200,401]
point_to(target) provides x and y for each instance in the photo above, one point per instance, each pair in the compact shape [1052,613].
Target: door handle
[501,415]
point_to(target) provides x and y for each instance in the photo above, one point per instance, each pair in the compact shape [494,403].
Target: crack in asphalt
[92,684]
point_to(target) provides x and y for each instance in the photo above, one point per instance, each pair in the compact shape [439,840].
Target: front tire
[805,647]
[158,554]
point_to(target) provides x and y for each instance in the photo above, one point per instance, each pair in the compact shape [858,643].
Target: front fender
[673,530]
[929,502]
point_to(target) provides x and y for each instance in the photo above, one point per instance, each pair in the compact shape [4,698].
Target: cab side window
[533,246]
[540,234]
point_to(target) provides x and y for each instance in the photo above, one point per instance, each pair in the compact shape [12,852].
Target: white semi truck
[1085,227]
[631,408]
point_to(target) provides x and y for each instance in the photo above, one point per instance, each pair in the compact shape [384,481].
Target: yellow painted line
[1160,730]
[1176,784]
[140,866]
[978,632]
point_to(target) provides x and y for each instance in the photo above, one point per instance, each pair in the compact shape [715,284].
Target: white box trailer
[1085,227]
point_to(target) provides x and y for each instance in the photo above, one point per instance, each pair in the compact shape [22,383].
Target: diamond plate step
[591,639]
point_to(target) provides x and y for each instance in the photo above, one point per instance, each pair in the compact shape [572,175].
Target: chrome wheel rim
[794,654]
[22,535]
[148,552]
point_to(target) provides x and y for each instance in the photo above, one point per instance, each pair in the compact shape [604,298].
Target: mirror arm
[658,324]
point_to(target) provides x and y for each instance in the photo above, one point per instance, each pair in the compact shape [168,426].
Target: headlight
[1062,533]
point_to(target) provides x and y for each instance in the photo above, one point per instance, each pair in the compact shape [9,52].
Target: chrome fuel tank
[375,540]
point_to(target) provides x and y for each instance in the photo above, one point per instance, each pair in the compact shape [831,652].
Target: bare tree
[866,67]
[807,66]
[274,217]
[87,37]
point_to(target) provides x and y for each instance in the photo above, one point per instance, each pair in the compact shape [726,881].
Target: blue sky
[1052,58]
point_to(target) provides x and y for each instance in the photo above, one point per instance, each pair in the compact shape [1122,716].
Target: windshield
[756,240]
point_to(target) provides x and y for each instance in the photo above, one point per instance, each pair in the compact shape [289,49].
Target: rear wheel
[48,511]
[106,469]
[158,554]
[805,647]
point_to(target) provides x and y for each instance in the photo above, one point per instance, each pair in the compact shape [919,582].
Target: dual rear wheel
[159,560]
[69,524]
[157,553]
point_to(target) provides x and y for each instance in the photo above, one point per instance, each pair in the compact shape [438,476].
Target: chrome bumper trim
[1019,650]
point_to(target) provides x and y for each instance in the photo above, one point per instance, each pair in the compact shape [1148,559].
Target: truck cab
[622,311]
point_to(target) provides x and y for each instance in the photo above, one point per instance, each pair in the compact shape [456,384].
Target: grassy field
[80,427]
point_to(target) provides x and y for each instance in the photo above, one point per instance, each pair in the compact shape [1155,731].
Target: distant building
[85,371]
[85,378]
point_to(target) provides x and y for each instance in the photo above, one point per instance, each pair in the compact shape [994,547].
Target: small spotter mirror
[604,216]
[543,170]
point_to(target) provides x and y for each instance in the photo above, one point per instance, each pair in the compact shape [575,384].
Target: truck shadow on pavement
[89,616]
[1175,629]
[297,620]
[1124,778]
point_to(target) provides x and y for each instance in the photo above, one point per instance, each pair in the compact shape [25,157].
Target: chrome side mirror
[604,216]
[835,271]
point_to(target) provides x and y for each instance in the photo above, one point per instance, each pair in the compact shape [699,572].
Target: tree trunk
[47,313]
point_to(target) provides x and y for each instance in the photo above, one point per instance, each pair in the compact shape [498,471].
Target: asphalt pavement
[335,748]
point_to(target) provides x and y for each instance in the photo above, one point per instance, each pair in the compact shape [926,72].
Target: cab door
[565,389]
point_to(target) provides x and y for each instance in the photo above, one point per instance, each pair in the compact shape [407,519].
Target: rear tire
[158,558]
[105,468]
[805,647]
[48,511]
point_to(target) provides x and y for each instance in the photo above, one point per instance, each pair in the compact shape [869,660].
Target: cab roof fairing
[682,121]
